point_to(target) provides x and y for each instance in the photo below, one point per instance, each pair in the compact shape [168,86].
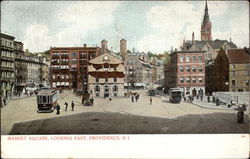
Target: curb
[212,108]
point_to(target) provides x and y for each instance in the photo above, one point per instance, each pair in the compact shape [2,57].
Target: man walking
[132,98]
[72,105]
[150,101]
[66,106]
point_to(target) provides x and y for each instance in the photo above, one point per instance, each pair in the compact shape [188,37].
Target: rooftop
[238,56]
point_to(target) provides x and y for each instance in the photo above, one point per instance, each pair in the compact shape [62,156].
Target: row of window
[6,43]
[7,74]
[97,88]
[246,65]
[7,64]
[7,54]
[106,80]
[60,76]
[188,80]
[188,58]
[234,83]
[194,68]
[243,72]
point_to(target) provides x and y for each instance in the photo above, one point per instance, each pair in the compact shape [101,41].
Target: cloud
[74,22]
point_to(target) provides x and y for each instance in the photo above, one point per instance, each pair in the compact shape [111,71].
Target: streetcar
[175,95]
[46,100]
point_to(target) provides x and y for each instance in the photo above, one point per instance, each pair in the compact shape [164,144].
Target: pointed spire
[206,9]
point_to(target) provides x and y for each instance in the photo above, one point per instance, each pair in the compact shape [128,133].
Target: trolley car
[47,100]
[175,95]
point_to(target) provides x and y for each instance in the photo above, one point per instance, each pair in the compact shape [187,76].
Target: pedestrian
[92,101]
[136,97]
[240,116]
[184,97]
[150,101]
[201,97]
[208,98]
[132,98]
[4,101]
[58,109]
[66,106]
[213,98]
[217,101]
[72,105]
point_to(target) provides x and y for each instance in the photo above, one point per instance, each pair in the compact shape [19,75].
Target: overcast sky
[147,26]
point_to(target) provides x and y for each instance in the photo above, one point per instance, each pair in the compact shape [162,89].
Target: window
[115,79]
[200,80]
[247,82]
[182,80]
[200,58]
[233,73]
[73,54]
[194,68]
[233,82]
[194,58]
[233,66]
[181,68]
[106,79]
[200,68]
[115,88]
[97,80]
[188,68]
[97,89]
[181,58]
[194,80]
[248,65]
[188,80]
[187,58]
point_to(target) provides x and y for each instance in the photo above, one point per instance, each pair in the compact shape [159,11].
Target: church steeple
[206,26]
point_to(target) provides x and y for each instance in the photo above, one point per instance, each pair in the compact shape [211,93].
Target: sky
[154,26]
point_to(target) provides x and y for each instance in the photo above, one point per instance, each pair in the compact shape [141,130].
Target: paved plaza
[118,116]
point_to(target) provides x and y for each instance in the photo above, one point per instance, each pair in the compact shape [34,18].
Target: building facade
[106,76]
[7,74]
[239,70]
[69,66]
[186,70]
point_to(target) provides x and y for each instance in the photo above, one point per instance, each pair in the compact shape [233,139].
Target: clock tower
[206,26]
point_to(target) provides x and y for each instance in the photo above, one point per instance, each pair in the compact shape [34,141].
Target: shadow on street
[117,123]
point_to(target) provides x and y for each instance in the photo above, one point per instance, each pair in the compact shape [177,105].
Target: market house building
[106,76]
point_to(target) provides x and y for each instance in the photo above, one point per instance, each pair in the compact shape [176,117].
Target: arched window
[97,89]
[115,88]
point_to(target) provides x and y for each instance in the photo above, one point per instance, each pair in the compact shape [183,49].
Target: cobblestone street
[118,116]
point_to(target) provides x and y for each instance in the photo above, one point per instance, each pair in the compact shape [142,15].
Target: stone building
[138,70]
[7,57]
[239,70]
[186,70]
[69,66]
[106,76]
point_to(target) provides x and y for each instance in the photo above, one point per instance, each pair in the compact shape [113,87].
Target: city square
[119,116]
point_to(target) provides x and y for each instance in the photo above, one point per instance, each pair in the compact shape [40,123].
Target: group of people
[135,97]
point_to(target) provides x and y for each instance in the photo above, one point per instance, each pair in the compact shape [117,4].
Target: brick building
[186,70]
[239,70]
[217,74]
[69,66]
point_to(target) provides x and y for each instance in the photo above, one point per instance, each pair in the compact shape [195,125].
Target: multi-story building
[239,70]
[138,71]
[106,76]
[217,74]
[187,71]
[7,74]
[21,68]
[69,66]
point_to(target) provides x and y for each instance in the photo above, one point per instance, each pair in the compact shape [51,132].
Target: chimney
[84,45]
[193,38]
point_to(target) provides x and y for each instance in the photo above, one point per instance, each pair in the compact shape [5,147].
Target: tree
[167,57]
